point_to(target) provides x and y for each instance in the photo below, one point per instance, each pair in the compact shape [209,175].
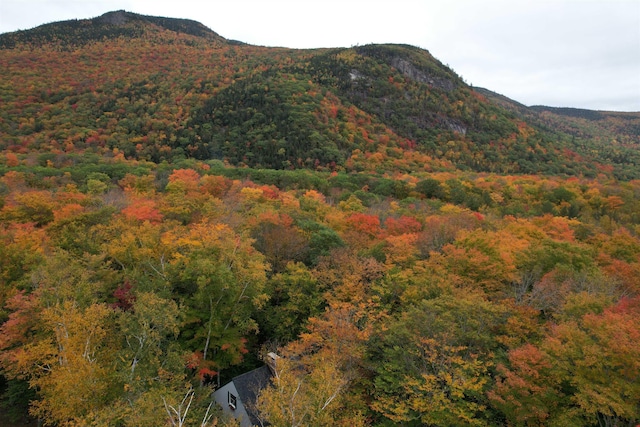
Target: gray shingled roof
[248,385]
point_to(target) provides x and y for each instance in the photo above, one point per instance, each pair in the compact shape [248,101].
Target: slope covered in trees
[160,89]
[173,206]
[454,299]
[77,33]
[612,137]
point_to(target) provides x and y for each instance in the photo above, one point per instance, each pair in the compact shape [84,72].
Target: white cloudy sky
[567,53]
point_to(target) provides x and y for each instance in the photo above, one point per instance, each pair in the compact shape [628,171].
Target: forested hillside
[174,205]
[612,137]
[159,89]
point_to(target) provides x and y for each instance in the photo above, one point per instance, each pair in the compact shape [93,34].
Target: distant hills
[161,89]
[625,126]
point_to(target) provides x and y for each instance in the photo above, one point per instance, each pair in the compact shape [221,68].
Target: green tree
[294,297]
[431,188]
[433,364]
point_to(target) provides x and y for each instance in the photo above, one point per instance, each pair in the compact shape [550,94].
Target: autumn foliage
[173,206]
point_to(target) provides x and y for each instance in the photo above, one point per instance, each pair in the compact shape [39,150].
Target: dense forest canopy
[174,205]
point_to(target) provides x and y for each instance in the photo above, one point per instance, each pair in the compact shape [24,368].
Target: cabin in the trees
[238,397]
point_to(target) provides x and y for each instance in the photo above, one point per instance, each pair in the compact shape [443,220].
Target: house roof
[248,385]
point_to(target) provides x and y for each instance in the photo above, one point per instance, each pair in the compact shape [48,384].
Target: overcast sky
[563,53]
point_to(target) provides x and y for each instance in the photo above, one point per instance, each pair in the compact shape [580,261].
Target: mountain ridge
[578,122]
[361,108]
[89,29]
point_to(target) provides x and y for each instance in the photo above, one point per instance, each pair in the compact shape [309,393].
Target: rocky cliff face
[412,72]
[118,17]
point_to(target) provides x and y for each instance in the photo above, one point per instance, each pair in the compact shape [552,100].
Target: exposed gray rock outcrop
[411,71]
[118,17]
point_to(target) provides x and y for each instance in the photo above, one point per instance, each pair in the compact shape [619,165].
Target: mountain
[108,26]
[160,89]
[416,251]
[613,137]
